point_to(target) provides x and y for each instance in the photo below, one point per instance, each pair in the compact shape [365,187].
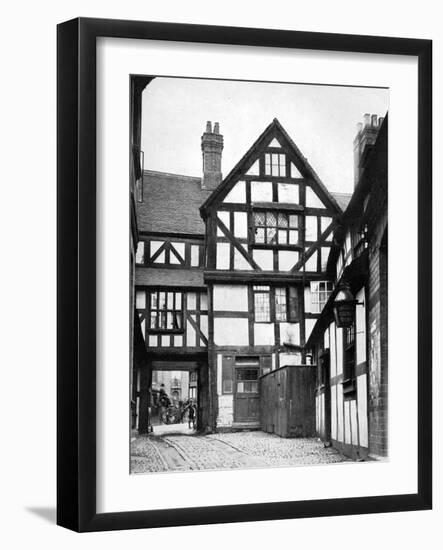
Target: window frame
[291,310]
[287,229]
[174,310]
[281,166]
[317,293]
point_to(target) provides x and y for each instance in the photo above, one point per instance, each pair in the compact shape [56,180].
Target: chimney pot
[374,121]
[367,120]
[212,147]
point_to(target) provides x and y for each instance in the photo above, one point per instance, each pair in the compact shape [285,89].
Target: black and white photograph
[258,274]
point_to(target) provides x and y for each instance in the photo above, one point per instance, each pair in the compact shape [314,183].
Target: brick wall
[378,346]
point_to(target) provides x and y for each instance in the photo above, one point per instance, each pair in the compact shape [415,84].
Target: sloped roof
[342,199]
[147,276]
[171,203]
[275,129]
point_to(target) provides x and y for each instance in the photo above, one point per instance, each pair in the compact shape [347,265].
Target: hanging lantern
[344,306]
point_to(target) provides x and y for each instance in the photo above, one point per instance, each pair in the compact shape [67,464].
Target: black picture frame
[76,266]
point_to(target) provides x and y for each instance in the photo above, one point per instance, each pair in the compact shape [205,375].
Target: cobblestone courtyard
[181,449]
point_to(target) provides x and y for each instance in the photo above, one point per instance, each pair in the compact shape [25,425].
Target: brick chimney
[212,147]
[367,132]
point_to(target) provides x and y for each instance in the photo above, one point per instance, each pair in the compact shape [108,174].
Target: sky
[321,120]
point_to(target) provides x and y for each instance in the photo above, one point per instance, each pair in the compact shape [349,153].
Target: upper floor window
[276,228]
[275,164]
[275,304]
[262,304]
[320,292]
[166,311]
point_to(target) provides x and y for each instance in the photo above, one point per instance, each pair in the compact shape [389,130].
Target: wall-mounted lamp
[344,305]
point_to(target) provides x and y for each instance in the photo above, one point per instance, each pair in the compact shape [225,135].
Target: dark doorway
[246,391]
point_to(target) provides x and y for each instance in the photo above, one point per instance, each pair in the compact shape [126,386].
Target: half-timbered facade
[170,295]
[235,278]
[351,354]
[269,228]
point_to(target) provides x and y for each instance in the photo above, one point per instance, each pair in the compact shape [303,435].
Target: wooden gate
[287,401]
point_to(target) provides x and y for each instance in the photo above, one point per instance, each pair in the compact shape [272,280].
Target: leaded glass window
[276,228]
[262,305]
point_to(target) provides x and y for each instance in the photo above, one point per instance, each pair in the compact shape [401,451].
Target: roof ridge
[157,172]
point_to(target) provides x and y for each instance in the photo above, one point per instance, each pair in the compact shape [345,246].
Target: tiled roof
[342,199]
[168,277]
[171,203]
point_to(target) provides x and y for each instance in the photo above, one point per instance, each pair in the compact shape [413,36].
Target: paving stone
[177,452]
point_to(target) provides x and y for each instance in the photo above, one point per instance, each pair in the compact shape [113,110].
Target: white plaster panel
[152,340]
[287,259]
[180,248]
[264,334]
[347,423]
[264,259]
[354,431]
[309,325]
[362,404]
[240,261]
[339,335]
[311,228]
[190,334]
[231,332]
[155,245]
[225,411]
[334,412]
[237,193]
[204,324]
[223,251]
[340,430]
[324,257]
[290,333]
[223,216]
[165,340]
[230,298]
[261,191]
[240,225]
[178,340]
[288,192]
[312,200]
[332,349]
[255,169]
[311,263]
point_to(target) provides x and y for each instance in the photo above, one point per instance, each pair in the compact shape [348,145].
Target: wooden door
[247,397]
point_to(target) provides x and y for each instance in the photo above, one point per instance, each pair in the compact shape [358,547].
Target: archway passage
[166,387]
